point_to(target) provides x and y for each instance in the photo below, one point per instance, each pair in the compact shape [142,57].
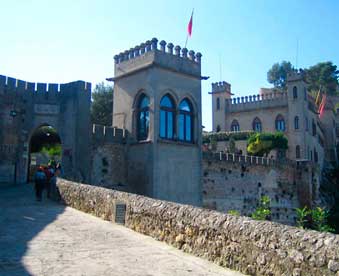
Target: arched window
[297,152]
[235,126]
[218,103]
[185,121]
[143,118]
[296,122]
[295,92]
[305,94]
[280,123]
[256,125]
[167,117]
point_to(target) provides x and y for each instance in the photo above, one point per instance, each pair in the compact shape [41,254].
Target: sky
[63,41]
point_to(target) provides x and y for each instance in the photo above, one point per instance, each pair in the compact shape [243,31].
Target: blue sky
[62,41]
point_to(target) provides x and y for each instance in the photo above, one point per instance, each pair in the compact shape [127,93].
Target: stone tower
[157,101]
[297,115]
[221,91]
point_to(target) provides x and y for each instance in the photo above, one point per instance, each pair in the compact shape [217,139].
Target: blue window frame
[167,117]
[186,121]
[143,118]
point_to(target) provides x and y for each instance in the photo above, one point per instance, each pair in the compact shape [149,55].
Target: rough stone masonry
[252,247]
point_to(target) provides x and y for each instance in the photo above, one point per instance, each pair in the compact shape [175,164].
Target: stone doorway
[45,147]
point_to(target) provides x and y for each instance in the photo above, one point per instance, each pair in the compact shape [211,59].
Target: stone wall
[239,184]
[109,166]
[252,247]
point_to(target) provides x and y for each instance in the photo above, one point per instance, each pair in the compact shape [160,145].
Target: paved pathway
[44,238]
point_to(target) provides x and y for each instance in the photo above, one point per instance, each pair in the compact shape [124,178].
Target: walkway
[44,238]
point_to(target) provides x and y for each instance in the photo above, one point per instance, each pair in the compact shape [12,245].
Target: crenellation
[184,52]
[220,87]
[147,54]
[296,75]
[41,90]
[170,47]
[177,50]
[154,44]
[163,45]
[11,83]
[255,101]
[106,134]
[41,87]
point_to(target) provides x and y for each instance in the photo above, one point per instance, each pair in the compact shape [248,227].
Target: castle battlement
[147,54]
[296,75]
[10,85]
[256,102]
[106,134]
[220,87]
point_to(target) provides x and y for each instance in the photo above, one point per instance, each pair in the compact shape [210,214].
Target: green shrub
[263,211]
[260,144]
[302,214]
[233,213]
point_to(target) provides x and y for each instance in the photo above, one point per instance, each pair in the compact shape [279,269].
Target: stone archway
[45,146]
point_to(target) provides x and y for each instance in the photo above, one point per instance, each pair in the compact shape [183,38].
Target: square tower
[157,99]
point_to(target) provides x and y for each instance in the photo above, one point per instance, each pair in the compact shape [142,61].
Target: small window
[314,128]
[143,118]
[280,123]
[235,126]
[315,156]
[186,121]
[218,128]
[305,94]
[256,125]
[295,92]
[297,152]
[296,122]
[167,117]
[218,103]
[306,124]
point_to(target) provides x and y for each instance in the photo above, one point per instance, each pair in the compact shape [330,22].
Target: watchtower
[157,100]
[221,91]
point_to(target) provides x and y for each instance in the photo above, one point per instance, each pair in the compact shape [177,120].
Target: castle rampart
[109,135]
[252,102]
[147,54]
[44,90]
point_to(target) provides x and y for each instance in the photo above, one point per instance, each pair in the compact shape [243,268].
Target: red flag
[190,25]
[322,106]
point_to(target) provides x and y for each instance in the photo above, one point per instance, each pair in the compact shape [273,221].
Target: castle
[292,112]
[154,146]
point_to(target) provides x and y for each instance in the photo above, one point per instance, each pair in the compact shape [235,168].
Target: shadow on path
[21,219]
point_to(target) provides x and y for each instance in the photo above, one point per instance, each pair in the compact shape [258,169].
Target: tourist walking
[49,171]
[40,180]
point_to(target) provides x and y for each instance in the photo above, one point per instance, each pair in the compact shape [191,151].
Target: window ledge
[176,142]
[141,142]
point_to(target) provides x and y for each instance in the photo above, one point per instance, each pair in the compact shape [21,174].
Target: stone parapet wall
[252,247]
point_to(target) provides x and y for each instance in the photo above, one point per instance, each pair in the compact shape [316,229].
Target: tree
[102,105]
[277,75]
[323,75]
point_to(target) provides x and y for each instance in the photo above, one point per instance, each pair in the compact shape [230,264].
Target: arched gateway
[25,106]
